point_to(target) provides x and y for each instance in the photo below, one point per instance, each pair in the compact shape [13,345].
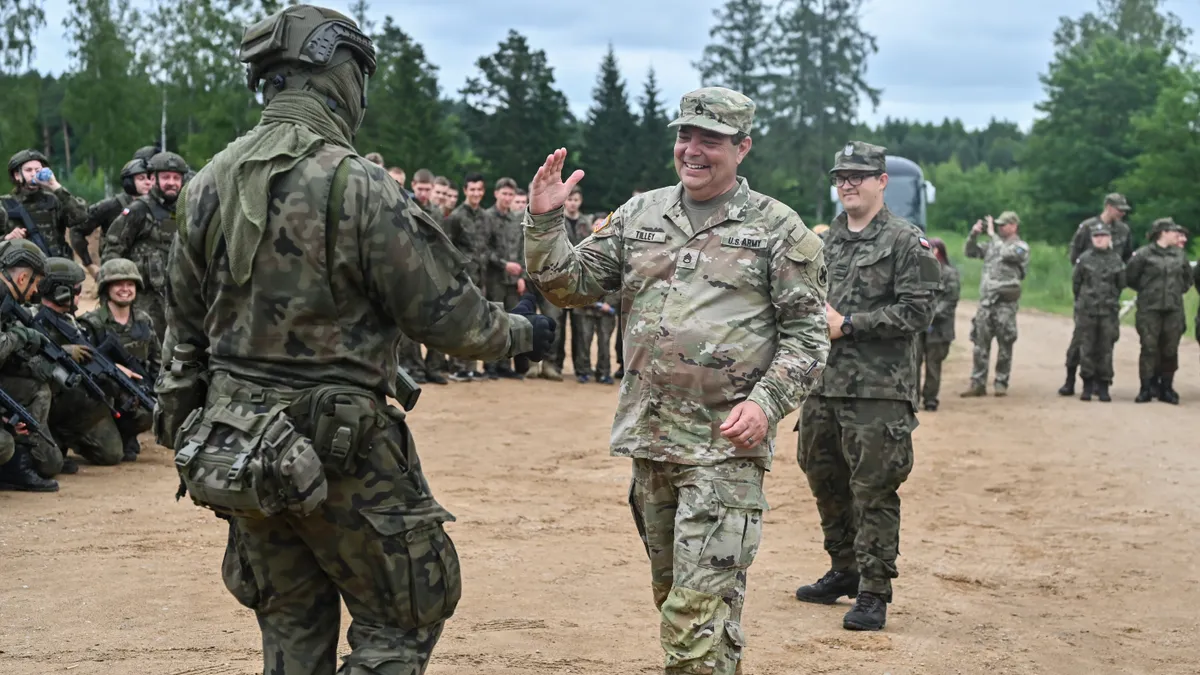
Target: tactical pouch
[341,422]
[180,391]
[245,459]
[1009,293]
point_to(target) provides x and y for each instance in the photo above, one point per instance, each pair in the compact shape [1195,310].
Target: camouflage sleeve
[573,276]
[973,249]
[121,235]
[1120,281]
[495,246]
[1077,279]
[74,209]
[799,281]
[1196,280]
[416,276]
[186,266]
[8,344]
[1133,272]
[947,297]
[1079,242]
[1017,253]
[917,278]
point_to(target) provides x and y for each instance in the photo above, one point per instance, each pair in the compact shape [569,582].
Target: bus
[907,194]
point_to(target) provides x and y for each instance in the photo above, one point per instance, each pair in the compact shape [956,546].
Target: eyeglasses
[853,180]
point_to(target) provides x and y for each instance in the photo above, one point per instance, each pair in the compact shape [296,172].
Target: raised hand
[549,191]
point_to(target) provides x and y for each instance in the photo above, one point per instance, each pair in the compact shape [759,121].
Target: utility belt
[257,452]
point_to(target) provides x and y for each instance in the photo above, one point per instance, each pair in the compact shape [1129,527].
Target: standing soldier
[119,283]
[466,227]
[144,231]
[501,269]
[855,444]
[135,182]
[1005,261]
[1116,207]
[935,341]
[1098,280]
[1160,274]
[39,208]
[283,329]
[726,293]
[578,228]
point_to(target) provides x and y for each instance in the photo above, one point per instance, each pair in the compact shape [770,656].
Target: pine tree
[656,168]
[738,57]
[610,139]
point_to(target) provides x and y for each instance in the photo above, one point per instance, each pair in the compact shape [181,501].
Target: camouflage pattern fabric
[856,452]
[1098,280]
[1122,239]
[885,278]
[1161,276]
[99,215]
[467,229]
[701,526]
[1097,335]
[53,213]
[1005,262]
[143,233]
[941,330]
[139,339]
[18,380]
[932,355]
[595,327]
[860,156]
[997,321]
[729,312]
[1159,332]
[718,109]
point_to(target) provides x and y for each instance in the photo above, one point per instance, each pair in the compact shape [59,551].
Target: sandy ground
[1041,535]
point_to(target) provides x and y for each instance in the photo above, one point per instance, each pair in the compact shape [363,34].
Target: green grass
[1048,283]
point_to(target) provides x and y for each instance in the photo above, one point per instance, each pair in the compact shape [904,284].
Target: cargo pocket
[237,573]
[733,541]
[898,437]
[415,563]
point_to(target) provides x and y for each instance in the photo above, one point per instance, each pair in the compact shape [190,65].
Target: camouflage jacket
[1161,276]
[9,344]
[578,229]
[329,307]
[945,305]
[1098,280]
[143,233]
[884,278]
[467,229]
[728,312]
[53,213]
[1122,239]
[99,215]
[502,245]
[1004,265]
[433,211]
[137,336]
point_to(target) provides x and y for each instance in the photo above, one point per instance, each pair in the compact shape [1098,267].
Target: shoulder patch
[805,245]
[597,226]
[125,211]
[924,242]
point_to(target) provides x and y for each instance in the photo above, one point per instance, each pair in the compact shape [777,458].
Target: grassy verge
[1048,284]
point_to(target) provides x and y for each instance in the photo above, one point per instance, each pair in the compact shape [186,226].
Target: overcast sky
[936,59]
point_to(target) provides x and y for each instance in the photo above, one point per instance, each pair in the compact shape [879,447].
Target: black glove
[527,307]
[543,330]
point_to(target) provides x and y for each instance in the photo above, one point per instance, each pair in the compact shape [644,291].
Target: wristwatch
[847,326]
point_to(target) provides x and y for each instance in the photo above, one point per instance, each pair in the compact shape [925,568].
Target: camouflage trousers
[156,306]
[997,322]
[856,452]
[86,426]
[596,328]
[1097,335]
[1160,333]
[562,317]
[1073,349]
[932,355]
[378,544]
[36,397]
[701,526]
[408,357]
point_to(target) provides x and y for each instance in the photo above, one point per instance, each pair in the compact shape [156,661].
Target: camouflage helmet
[134,167]
[18,160]
[304,35]
[63,277]
[167,161]
[22,253]
[118,269]
[145,152]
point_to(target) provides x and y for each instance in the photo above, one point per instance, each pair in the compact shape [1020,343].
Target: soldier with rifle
[135,182]
[39,208]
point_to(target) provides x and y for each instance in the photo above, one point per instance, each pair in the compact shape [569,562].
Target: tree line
[1120,110]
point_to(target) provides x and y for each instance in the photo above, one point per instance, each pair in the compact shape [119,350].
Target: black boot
[1089,385]
[132,448]
[1166,389]
[1068,389]
[1102,391]
[1146,393]
[18,474]
[829,588]
[69,467]
[869,613]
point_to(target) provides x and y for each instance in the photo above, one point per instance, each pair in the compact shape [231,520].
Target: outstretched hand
[548,191]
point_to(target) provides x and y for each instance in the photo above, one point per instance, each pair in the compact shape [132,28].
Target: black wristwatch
[847,326]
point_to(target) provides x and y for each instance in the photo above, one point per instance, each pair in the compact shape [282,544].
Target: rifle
[99,365]
[17,210]
[15,413]
[55,353]
[115,351]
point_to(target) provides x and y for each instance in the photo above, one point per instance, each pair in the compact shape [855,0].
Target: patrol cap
[860,156]
[1165,225]
[1100,229]
[1008,217]
[718,109]
[1118,200]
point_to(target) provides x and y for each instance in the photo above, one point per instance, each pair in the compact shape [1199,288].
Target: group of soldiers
[71,381]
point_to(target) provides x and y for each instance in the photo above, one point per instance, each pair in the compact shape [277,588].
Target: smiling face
[860,192]
[707,162]
[122,293]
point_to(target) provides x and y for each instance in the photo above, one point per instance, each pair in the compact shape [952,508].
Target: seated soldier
[118,286]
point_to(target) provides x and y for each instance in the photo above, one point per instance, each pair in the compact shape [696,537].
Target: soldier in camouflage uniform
[1160,274]
[578,229]
[935,341]
[119,283]
[596,324]
[466,227]
[1098,280]
[1005,262]
[319,262]
[27,461]
[422,368]
[501,267]
[725,289]
[49,206]
[855,445]
[136,181]
[1116,207]
[144,231]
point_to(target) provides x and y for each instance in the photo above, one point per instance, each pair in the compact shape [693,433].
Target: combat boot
[551,372]
[1102,391]
[931,405]
[18,474]
[131,449]
[1146,393]
[869,613]
[974,390]
[434,377]
[1089,386]
[1068,388]
[999,389]
[69,466]
[829,588]
[1166,391]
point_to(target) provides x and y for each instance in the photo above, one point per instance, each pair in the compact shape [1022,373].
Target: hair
[737,138]
[939,250]
[375,158]
[506,182]
[423,176]
[452,185]
[521,192]
[473,177]
[576,191]
[395,169]
[441,180]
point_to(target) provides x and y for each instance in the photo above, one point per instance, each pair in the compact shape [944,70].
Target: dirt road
[1041,535]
